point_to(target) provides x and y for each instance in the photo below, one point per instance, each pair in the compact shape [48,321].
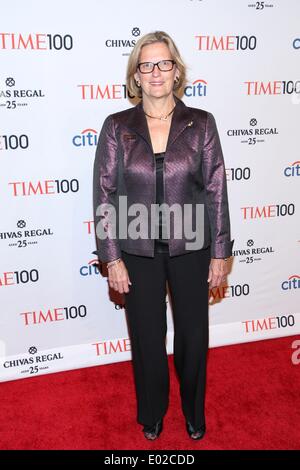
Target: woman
[163,151]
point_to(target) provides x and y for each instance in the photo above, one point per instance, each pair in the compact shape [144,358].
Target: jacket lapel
[180,120]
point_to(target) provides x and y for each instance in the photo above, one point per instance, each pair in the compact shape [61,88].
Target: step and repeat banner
[63,66]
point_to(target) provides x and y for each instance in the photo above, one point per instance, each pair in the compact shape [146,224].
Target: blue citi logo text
[197,88]
[88,137]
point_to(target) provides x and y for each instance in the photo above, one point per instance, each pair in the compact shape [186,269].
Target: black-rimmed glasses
[163,65]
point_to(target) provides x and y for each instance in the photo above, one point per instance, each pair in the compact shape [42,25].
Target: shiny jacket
[194,172]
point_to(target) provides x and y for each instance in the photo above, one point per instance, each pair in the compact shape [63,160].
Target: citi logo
[87,138]
[91,269]
[44,187]
[35,41]
[292,170]
[225,43]
[267,212]
[292,282]
[276,87]
[197,88]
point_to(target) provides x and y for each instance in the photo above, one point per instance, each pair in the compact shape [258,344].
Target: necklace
[162,118]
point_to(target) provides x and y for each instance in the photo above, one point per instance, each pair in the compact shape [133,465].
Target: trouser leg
[145,305]
[187,279]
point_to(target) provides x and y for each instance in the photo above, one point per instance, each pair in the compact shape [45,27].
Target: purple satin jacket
[194,173]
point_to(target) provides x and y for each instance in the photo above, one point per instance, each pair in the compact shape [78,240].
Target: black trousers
[145,305]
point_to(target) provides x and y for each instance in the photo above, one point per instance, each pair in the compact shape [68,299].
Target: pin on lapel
[190,123]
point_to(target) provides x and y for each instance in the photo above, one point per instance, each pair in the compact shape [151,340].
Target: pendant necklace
[161,118]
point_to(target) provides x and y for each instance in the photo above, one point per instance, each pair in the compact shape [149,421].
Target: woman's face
[156,84]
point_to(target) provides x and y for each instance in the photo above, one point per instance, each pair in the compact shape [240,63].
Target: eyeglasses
[163,65]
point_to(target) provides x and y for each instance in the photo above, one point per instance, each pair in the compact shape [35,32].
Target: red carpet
[253,402]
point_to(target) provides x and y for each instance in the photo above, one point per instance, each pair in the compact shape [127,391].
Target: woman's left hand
[218,270]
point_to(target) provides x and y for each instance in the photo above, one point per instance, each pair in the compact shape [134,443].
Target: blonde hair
[151,38]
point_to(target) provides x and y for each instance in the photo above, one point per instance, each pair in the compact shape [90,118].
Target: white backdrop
[63,67]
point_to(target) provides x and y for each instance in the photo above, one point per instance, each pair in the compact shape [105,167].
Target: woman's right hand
[118,277]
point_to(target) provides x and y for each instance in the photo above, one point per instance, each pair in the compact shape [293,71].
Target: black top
[161,245]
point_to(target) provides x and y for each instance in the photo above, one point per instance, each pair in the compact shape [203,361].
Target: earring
[138,84]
